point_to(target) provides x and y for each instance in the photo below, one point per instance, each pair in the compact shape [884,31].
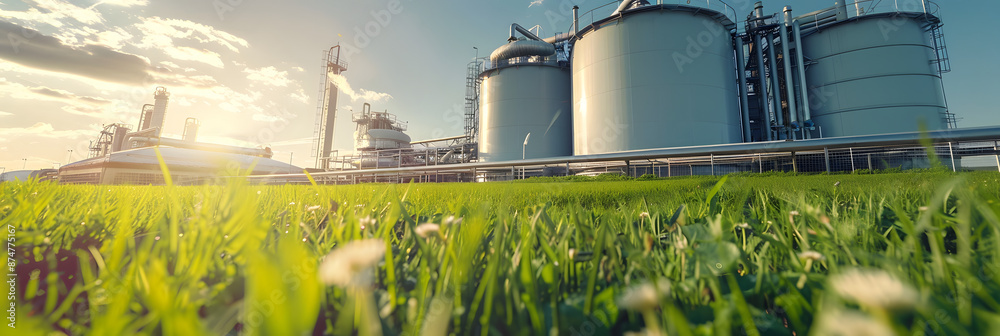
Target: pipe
[786,59]
[516,27]
[841,6]
[521,49]
[809,19]
[803,86]
[775,85]
[744,109]
[625,5]
[762,96]
[559,38]
[576,19]
[758,10]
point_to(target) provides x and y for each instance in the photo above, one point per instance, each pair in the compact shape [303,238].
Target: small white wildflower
[644,215]
[840,323]
[452,220]
[426,230]
[351,263]
[313,208]
[811,255]
[366,222]
[874,289]
[644,297]
[680,241]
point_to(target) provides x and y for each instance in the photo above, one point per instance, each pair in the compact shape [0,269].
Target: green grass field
[907,253]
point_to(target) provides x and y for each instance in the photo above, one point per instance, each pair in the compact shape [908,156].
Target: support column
[742,75]
[826,158]
[995,145]
[852,160]
[776,88]
[711,159]
[951,152]
[795,164]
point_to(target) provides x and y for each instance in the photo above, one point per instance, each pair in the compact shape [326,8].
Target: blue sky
[249,69]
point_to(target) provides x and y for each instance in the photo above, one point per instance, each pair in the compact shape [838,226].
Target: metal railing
[604,11]
[956,149]
[523,60]
[868,7]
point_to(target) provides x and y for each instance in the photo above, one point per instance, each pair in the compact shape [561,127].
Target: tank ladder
[942,64]
[472,83]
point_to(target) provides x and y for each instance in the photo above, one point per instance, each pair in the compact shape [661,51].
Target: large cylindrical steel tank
[526,90]
[654,77]
[874,74]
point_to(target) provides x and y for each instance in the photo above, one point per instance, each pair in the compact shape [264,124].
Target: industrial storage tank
[525,90]
[655,76]
[875,74]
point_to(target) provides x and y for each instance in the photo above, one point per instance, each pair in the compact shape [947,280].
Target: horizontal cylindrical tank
[873,75]
[657,76]
[530,94]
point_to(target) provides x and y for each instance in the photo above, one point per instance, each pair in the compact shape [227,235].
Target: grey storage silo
[525,90]
[653,77]
[874,74]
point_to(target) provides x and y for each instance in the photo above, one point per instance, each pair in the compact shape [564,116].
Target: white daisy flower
[850,323]
[427,230]
[351,263]
[874,289]
[811,255]
[645,297]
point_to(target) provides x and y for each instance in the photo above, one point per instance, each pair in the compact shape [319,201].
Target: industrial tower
[326,111]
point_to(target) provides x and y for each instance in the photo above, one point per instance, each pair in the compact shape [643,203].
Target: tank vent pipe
[576,19]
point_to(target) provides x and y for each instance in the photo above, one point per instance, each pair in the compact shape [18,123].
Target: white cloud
[165,35]
[266,117]
[43,129]
[268,76]
[36,93]
[361,94]
[114,39]
[300,96]
[54,13]
[123,3]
